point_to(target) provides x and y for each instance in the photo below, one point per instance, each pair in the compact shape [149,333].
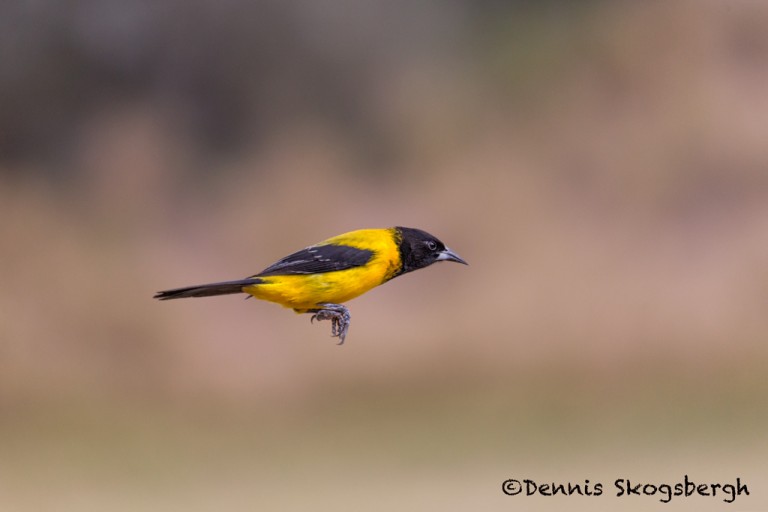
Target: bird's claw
[337,314]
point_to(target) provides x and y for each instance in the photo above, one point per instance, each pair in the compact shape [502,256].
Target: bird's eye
[431,245]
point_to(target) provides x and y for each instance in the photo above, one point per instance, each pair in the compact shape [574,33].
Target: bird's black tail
[207,290]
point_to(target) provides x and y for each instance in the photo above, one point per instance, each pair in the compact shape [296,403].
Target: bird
[320,278]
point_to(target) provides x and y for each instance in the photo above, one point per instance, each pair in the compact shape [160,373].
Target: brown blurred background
[602,166]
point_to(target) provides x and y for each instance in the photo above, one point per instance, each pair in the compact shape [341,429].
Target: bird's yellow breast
[305,291]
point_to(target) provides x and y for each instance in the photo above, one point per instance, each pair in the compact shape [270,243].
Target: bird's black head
[419,249]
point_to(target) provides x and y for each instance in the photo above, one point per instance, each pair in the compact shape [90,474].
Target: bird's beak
[449,255]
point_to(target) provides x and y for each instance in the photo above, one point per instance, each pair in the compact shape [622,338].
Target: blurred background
[602,166]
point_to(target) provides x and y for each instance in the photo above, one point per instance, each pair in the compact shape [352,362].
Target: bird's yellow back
[303,292]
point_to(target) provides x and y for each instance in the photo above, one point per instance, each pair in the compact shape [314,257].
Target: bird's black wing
[318,259]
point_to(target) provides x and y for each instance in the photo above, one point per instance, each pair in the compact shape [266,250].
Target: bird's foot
[337,314]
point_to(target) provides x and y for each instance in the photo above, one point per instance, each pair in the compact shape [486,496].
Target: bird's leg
[337,314]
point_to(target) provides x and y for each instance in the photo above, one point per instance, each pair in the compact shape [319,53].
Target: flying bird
[321,277]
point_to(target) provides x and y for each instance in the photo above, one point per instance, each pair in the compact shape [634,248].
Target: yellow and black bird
[321,277]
